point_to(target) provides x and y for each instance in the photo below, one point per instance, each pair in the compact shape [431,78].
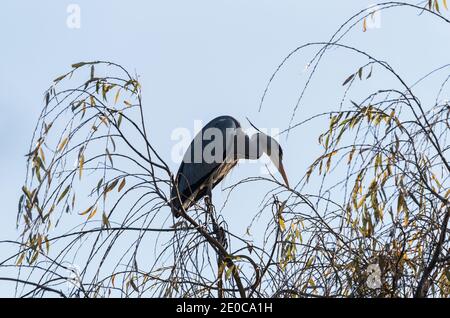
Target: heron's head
[272,148]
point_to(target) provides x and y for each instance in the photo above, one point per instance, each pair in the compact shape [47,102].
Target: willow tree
[377,225]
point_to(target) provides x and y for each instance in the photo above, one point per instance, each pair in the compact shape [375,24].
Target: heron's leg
[219,233]
[210,208]
[208,199]
[208,202]
[218,230]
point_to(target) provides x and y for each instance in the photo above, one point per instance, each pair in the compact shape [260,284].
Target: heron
[212,154]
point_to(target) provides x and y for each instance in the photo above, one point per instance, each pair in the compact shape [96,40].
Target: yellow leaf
[433,176]
[105,220]
[400,202]
[280,214]
[39,242]
[406,218]
[83,108]
[282,224]
[328,163]
[111,186]
[92,99]
[62,144]
[27,193]
[104,120]
[86,211]
[436,6]
[350,155]
[364,25]
[447,194]
[47,244]
[81,165]
[310,261]
[91,215]
[20,260]
[121,185]
[361,201]
[117,96]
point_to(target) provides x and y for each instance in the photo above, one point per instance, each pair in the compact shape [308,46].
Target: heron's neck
[248,147]
[254,149]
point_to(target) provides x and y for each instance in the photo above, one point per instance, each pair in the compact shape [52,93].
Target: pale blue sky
[197,60]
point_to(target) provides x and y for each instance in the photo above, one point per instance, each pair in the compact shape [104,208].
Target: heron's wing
[199,162]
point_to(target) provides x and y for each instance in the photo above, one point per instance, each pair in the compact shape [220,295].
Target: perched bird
[215,150]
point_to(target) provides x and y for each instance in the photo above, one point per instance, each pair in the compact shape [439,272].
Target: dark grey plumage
[193,177]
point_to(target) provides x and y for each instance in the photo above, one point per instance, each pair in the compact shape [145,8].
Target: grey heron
[214,151]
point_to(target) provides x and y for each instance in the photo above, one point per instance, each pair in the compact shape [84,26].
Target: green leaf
[348,79]
[310,261]
[105,220]
[229,272]
[66,190]
[109,156]
[99,184]
[34,258]
[116,98]
[80,64]
[27,192]
[56,80]
[119,121]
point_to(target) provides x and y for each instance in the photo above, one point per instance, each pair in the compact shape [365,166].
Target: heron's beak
[283,173]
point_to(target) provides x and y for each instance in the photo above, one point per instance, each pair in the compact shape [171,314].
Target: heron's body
[198,174]
[196,179]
